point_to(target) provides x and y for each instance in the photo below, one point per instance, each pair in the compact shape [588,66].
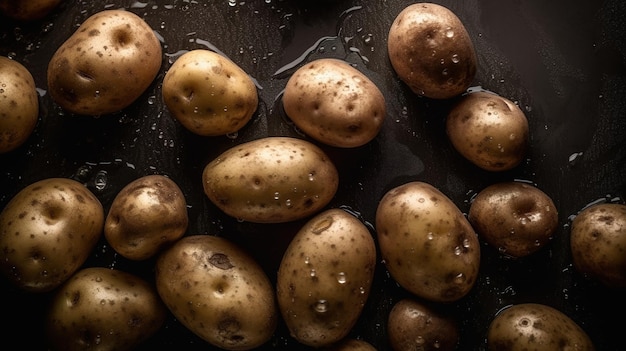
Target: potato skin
[325,276]
[598,243]
[334,103]
[427,244]
[30,10]
[209,94]
[431,51]
[103,309]
[271,180]
[350,345]
[47,231]
[217,291]
[147,214]
[105,65]
[532,326]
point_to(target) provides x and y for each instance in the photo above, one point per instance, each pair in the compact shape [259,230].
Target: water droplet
[341,278]
[288,203]
[100,181]
[276,195]
[449,33]
[455,58]
[419,340]
[307,260]
[321,306]
[430,236]
[313,273]
[466,243]
[457,251]
[459,278]
[311,177]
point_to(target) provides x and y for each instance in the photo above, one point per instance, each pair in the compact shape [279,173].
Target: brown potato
[27,10]
[350,345]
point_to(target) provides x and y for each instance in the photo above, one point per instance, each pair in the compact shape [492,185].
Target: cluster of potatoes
[215,288]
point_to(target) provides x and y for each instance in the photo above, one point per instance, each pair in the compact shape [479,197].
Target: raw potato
[218,291]
[27,10]
[325,276]
[350,345]
[145,216]
[334,103]
[516,218]
[598,243]
[531,326]
[105,65]
[271,180]
[19,104]
[103,309]
[426,242]
[488,130]
[431,51]
[47,231]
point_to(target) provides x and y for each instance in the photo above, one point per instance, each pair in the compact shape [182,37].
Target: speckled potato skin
[145,216]
[103,309]
[334,103]
[350,345]
[488,130]
[19,104]
[598,243]
[426,242]
[535,327]
[105,65]
[325,276]
[516,218]
[47,231]
[217,291]
[431,51]
[209,94]
[271,180]
[30,10]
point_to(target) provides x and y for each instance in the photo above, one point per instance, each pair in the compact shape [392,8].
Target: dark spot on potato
[220,261]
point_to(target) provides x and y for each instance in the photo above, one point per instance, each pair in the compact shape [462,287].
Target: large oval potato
[427,244]
[218,291]
[271,180]
[325,276]
[47,231]
[105,65]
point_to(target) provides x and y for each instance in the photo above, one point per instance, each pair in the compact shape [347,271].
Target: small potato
[217,291]
[105,66]
[488,130]
[47,231]
[516,218]
[325,276]
[27,10]
[209,94]
[103,309]
[350,345]
[531,326]
[19,104]
[431,51]
[426,242]
[334,103]
[271,180]
[147,214]
[598,243]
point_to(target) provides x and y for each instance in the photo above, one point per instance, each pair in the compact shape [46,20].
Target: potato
[325,276]
[105,65]
[350,345]
[431,51]
[598,243]
[271,180]
[47,231]
[413,325]
[103,309]
[516,218]
[488,130]
[209,94]
[532,326]
[27,10]
[217,291]
[19,104]
[427,244]
[334,103]
[147,214]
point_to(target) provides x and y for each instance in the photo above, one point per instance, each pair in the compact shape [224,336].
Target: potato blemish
[220,261]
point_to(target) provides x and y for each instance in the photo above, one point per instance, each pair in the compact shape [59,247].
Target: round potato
[19,104]
[30,10]
[105,65]
[516,218]
[103,309]
[531,326]
[147,214]
[426,242]
[218,291]
[325,276]
[598,243]
[431,51]
[271,180]
[47,231]
[334,103]
[350,345]
[488,130]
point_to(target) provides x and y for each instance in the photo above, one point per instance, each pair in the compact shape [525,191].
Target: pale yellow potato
[27,10]
[209,94]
